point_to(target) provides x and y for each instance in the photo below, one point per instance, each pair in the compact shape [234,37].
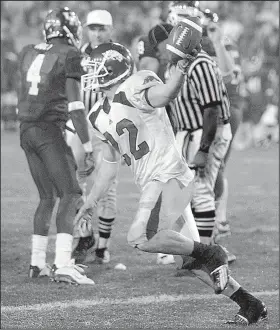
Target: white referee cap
[100,17]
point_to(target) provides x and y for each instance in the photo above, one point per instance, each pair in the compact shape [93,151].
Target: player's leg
[153,228]
[60,163]
[188,144]
[43,214]
[107,210]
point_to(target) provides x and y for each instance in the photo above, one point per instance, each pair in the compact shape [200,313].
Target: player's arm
[224,59]
[77,112]
[76,106]
[161,95]
[207,92]
[106,173]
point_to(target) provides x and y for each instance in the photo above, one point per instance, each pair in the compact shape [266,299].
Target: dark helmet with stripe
[182,9]
[63,23]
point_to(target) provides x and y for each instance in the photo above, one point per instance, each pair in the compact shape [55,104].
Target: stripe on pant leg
[152,224]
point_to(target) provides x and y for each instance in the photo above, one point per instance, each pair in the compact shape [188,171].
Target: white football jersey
[142,134]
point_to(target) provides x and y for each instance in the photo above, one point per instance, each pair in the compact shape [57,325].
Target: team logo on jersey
[113,55]
[149,78]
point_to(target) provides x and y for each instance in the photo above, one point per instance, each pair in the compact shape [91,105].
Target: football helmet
[181,9]
[208,16]
[108,64]
[63,23]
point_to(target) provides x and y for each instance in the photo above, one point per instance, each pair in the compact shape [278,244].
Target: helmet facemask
[97,69]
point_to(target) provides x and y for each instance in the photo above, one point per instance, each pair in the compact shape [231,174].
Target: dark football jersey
[43,71]
[144,49]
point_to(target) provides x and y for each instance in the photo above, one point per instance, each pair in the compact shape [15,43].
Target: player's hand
[214,32]
[84,215]
[89,165]
[200,160]
[184,64]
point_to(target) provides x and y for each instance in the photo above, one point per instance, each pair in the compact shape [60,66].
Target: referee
[99,28]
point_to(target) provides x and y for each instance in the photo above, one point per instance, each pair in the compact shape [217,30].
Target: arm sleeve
[137,94]
[144,49]
[206,80]
[92,120]
[73,67]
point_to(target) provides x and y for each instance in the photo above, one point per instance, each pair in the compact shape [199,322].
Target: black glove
[89,165]
[183,65]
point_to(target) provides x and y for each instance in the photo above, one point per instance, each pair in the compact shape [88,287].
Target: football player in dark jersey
[49,93]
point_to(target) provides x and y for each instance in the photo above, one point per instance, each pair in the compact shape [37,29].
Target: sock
[205,222]
[63,249]
[38,250]
[241,297]
[105,228]
[198,250]
[231,288]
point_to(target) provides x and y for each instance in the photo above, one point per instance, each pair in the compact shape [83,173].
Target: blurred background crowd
[253,25]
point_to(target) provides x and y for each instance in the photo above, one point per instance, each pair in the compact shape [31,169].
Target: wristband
[76,105]
[87,146]
[204,149]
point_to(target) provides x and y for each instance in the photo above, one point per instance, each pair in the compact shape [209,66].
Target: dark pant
[53,168]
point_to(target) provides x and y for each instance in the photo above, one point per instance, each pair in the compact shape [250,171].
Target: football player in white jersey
[132,122]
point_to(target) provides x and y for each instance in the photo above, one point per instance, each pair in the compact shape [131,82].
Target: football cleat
[72,273]
[255,312]
[35,271]
[81,250]
[165,259]
[102,256]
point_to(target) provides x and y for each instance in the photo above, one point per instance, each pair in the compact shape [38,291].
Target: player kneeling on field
[132,122]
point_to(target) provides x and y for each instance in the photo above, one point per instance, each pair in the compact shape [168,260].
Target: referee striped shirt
[203,88]
[89,97]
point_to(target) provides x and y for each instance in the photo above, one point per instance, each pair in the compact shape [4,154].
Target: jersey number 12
[33,74]
[128,125]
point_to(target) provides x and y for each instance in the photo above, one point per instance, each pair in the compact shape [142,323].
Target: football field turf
[146,295]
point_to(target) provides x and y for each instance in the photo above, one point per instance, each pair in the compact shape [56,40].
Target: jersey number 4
[137,151]
[33,74]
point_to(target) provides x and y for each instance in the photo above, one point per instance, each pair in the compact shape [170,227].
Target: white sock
[102,242]
[63,249]
[38,250]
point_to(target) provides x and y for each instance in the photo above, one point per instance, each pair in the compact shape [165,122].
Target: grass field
[145,296]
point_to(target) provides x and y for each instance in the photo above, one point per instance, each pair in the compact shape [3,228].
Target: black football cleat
[35,271]
[255,312]
[81,250]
